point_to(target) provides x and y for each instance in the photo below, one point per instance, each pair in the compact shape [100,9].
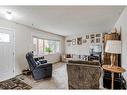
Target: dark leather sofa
[40,70]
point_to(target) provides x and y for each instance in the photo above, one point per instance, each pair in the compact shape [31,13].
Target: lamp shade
[113,46]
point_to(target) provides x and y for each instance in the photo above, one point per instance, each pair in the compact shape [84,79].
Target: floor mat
[15,84]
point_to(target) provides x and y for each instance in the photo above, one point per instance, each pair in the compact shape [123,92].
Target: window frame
[5,40]
[44,45]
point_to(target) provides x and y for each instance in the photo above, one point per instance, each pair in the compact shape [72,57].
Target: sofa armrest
[43,61]
[44,65]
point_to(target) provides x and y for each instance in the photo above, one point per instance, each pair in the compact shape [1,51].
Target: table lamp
[113,47]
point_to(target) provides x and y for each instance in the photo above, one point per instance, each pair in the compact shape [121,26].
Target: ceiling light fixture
[8,15]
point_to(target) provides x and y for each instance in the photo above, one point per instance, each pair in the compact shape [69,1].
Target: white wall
[122,22]
[23,42]
[80,49]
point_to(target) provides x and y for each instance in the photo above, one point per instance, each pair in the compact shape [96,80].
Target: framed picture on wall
[87,36]
[98,40]
[84,41]
[69,41]
[92,40]
[92,36]
[79,41]
[98,35]
[73,41]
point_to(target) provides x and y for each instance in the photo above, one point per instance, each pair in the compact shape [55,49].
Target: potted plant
[48,49]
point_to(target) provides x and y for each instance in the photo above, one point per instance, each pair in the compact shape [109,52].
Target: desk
[113,69]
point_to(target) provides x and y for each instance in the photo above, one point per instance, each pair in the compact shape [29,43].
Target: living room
[69,45]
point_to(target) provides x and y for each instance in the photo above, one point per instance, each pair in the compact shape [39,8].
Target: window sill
[40,55]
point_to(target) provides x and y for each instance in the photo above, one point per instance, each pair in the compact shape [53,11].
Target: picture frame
[69,41]
[87,36]
[98,40]
[92,36]
[92,41]
[84,41]
[79,41]
[73,41]
[98,35]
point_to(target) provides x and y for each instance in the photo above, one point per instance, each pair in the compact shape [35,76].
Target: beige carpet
[58,81]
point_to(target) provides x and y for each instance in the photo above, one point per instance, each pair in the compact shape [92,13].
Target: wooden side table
[113,69]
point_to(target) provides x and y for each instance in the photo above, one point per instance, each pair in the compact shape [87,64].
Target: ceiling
[66,20]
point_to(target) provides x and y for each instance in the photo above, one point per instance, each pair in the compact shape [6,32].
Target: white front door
[7,58]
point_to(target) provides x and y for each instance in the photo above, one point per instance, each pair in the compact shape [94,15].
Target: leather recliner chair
[39,71]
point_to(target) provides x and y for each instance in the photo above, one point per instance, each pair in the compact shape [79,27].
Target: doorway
[7,54]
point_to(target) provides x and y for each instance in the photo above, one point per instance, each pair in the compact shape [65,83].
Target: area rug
[14,83]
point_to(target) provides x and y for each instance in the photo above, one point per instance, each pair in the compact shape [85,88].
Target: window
[51,45]
[43,46]
[40,46]
[4,37]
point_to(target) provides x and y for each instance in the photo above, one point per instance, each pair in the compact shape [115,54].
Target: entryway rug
[14,84]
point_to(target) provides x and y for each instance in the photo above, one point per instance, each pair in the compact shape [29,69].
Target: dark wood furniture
[111,36]
[113,69]
[119,81]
